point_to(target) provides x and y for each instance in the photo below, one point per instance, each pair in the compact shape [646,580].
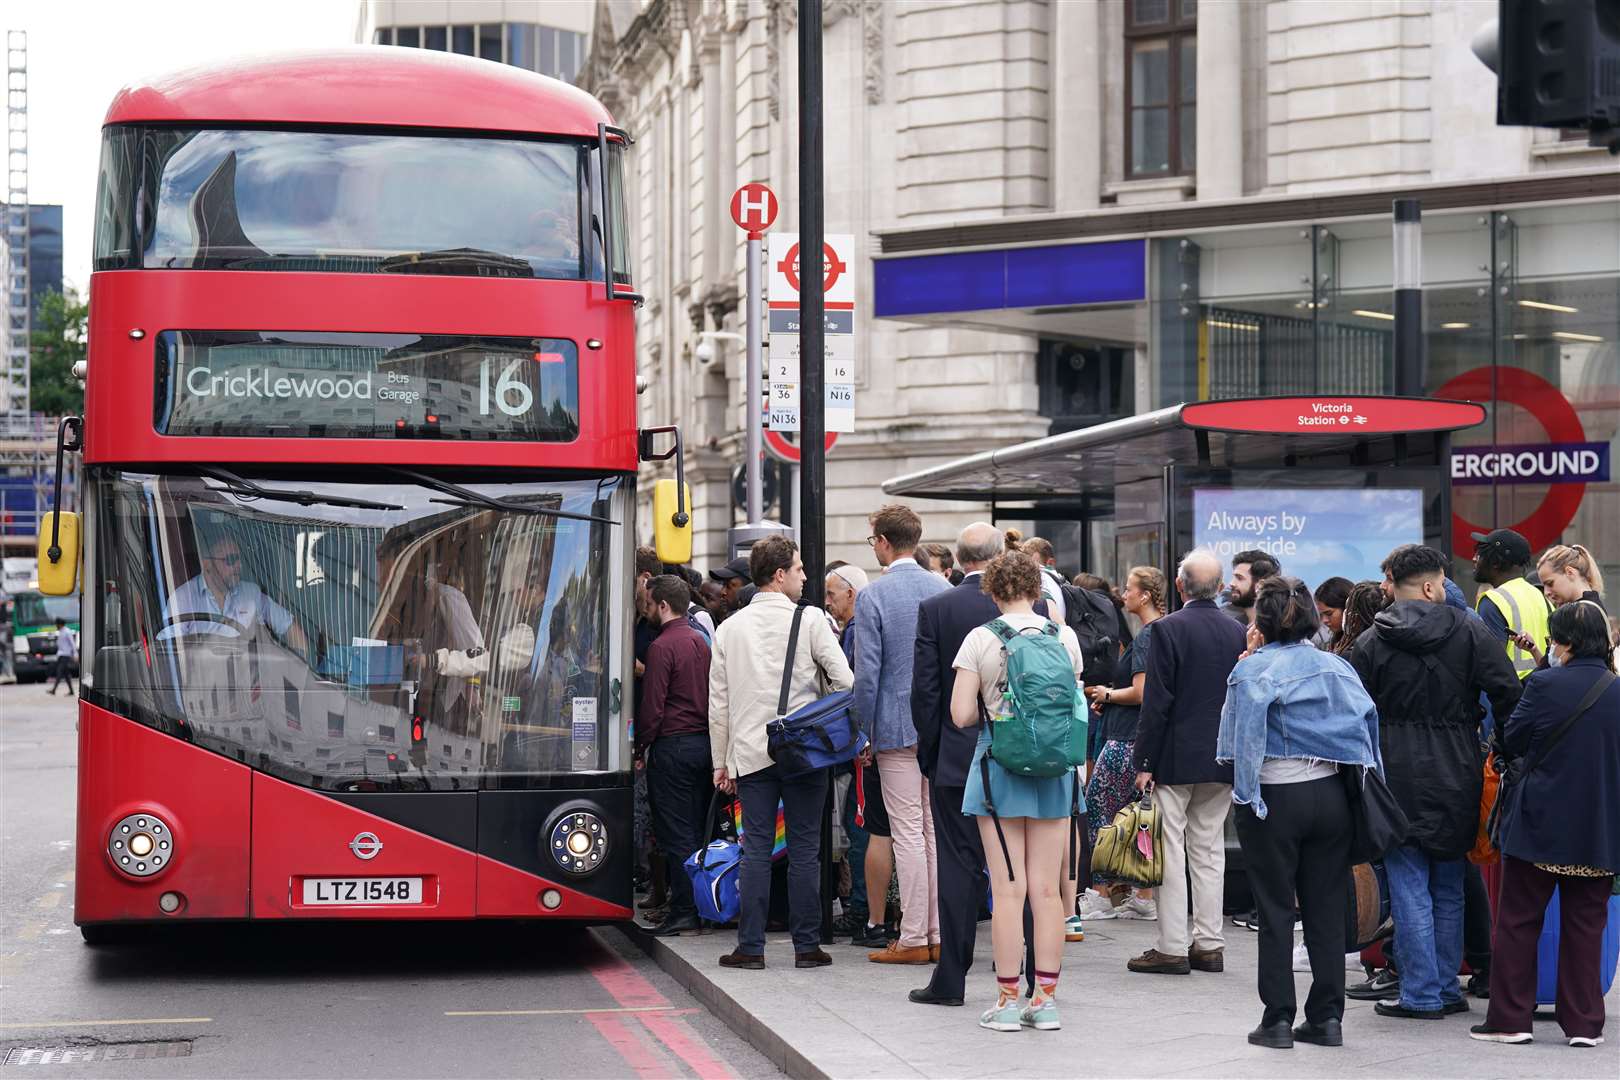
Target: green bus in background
[33,632]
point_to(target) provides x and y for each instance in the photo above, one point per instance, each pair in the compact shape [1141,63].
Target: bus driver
[220,590]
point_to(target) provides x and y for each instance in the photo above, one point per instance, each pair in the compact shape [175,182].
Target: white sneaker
[1094,905]
[1586,1040]
[1302,959]
[1138,908]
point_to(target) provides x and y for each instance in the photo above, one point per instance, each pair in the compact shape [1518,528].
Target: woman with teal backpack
[1018,678]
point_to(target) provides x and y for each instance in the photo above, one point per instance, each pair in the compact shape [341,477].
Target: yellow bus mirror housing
[672,499]
[59,553]
[672,521]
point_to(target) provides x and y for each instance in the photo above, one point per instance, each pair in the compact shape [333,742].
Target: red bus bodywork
[244,839]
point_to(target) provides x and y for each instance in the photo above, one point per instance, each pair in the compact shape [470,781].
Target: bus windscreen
[366,386]
[343,202]
[412,643]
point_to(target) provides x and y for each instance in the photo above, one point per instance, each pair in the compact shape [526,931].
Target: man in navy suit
[945,754]
[1194,650]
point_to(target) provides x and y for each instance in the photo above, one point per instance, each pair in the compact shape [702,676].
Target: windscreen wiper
[465,496]
[242,487]
[454,260]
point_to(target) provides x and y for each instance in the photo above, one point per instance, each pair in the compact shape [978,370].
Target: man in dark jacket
[1425,665]
[1194,650]
[672,739]
[945,753]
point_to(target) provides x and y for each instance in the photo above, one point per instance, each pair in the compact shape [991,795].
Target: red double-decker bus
[358,499]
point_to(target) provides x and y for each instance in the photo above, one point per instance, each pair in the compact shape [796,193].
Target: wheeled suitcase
[1547,951]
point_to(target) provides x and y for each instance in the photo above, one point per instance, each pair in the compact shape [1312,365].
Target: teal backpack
[1042,731]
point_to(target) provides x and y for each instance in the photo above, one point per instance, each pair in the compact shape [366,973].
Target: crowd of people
[1258,697]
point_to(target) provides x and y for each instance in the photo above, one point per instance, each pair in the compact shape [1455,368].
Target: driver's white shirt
[245,605]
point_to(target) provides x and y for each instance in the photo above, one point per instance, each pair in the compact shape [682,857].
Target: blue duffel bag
[818,735]
[713,869]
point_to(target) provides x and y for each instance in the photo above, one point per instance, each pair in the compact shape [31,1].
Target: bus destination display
[366,386]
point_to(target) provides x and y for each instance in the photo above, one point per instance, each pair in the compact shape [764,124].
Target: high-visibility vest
[1525,608]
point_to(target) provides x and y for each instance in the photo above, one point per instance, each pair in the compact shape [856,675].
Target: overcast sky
[81,52]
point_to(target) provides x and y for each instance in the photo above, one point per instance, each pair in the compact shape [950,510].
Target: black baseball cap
[735,569]
[1504,546]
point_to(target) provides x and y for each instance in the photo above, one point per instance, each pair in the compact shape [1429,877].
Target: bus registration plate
[326,891]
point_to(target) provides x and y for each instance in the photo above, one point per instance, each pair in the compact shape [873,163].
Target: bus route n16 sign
[838,269]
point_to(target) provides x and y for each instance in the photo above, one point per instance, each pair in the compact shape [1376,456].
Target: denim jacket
[1293,701]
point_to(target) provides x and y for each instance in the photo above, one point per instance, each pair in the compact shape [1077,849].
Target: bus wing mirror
[672,525]
[672,519]
[59,535]
[59,553]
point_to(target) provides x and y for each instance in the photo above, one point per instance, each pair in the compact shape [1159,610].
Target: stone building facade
[1115,116]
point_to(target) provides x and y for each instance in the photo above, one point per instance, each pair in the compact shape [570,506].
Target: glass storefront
[1521,312]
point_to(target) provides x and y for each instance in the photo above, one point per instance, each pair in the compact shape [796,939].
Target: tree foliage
[58,342]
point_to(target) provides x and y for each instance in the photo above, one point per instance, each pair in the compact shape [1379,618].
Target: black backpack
[1095,621]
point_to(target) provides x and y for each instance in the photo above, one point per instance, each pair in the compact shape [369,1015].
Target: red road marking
[636,1054]
[624,983]
[631,990]
[673,1034]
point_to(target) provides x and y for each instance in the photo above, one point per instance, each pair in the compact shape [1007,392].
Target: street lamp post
[809,514]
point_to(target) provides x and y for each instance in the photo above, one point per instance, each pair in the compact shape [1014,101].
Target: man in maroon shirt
[672,737]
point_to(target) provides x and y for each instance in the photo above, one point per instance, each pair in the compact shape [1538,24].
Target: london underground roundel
[1544,401]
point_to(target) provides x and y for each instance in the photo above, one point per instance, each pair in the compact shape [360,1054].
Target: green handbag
[1131,847]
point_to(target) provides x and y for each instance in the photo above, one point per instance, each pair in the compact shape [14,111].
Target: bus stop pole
[808,514]
[1408,244]
[754,439]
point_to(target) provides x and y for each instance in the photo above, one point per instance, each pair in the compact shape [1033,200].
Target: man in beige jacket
[745,685]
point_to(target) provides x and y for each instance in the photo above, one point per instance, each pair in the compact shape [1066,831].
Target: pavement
[390,1000]
[852,1020]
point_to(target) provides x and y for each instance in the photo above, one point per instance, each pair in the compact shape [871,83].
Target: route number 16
[507,385]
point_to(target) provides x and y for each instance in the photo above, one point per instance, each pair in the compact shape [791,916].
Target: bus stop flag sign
[838,273]
[753,208]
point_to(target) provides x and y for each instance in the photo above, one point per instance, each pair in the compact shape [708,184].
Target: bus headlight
[141,845]
[578,842]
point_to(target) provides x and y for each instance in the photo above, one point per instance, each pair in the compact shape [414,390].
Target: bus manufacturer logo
[365,845]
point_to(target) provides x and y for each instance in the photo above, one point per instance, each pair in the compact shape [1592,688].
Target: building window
[1161,82]
[558,53]
[489,42]
[520,45]
[1083,384]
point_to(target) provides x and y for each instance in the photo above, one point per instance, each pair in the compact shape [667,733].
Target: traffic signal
[418,751]
[1557,64]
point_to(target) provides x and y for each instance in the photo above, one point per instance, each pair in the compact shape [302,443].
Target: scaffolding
[19,284]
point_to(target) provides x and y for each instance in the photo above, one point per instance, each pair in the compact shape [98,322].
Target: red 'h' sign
[753,208]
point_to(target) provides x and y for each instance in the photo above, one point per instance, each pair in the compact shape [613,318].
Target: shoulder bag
[1513,776]
[1377,820]
[818,735]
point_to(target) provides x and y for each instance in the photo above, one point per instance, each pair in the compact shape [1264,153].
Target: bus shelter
[1326,484]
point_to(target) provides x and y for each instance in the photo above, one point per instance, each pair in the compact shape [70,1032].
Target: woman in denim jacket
[1293,715]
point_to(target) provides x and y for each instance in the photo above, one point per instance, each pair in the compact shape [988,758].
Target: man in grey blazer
[887,613]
